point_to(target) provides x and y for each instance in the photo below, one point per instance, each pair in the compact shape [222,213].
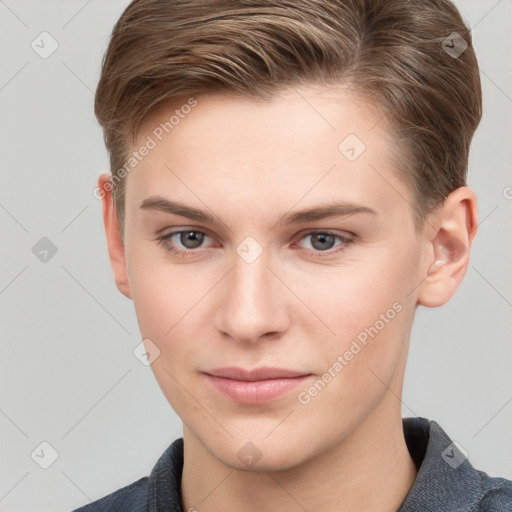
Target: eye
[323,241]
[190,239]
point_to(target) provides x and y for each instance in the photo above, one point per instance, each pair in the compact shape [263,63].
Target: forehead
[304,111]
[306,142]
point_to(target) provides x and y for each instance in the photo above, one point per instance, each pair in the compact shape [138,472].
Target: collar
[446,480]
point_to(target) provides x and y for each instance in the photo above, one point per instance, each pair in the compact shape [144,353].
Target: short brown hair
[390,52]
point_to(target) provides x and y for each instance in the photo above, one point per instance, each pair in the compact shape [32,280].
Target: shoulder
[496,494]
[162,488]
[132,498]
[446,479]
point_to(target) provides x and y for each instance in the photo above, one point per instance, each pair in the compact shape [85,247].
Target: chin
[260,453]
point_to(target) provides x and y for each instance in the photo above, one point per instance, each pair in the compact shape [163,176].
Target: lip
[255,386]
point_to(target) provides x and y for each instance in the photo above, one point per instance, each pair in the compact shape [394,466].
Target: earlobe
[449,248]
[115,246]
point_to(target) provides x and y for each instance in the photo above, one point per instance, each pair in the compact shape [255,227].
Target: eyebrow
[332,209]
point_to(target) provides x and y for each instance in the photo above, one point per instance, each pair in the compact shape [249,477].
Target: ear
[455,226]
[116,249]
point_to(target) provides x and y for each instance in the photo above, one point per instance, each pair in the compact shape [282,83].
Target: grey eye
[191,239]
[322,241]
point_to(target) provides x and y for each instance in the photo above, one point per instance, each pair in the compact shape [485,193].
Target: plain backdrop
[69,377]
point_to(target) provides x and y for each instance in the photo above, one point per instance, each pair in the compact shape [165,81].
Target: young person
[288,185]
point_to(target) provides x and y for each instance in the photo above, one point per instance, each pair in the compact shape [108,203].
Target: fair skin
[299,305]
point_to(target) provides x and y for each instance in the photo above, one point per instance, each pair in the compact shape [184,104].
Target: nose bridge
[253,303]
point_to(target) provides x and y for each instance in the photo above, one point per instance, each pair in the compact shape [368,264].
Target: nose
[253,302]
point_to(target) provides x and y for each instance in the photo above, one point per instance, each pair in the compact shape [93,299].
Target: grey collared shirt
[446,480]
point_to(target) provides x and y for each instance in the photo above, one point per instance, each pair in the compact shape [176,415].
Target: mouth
[255,386]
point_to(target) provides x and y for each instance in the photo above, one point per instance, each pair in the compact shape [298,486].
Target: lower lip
[256,392]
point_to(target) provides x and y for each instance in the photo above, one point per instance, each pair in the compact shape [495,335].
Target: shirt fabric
[446,480]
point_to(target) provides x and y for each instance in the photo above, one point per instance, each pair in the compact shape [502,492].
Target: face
[305,258]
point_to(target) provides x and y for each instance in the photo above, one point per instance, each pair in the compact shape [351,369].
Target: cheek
[352,299]
[358,363]
[162,293]
[170,302]
[366,312]
[166,305]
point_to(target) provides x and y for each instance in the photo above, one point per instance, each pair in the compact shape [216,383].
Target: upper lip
[263,373]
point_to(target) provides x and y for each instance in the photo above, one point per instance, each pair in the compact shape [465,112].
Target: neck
[369,470]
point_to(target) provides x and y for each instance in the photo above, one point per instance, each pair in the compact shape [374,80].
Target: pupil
[191,236]
[323,238]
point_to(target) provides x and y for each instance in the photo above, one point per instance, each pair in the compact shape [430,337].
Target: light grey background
[68,374]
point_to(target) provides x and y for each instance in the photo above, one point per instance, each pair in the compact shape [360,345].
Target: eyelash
[165,241]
